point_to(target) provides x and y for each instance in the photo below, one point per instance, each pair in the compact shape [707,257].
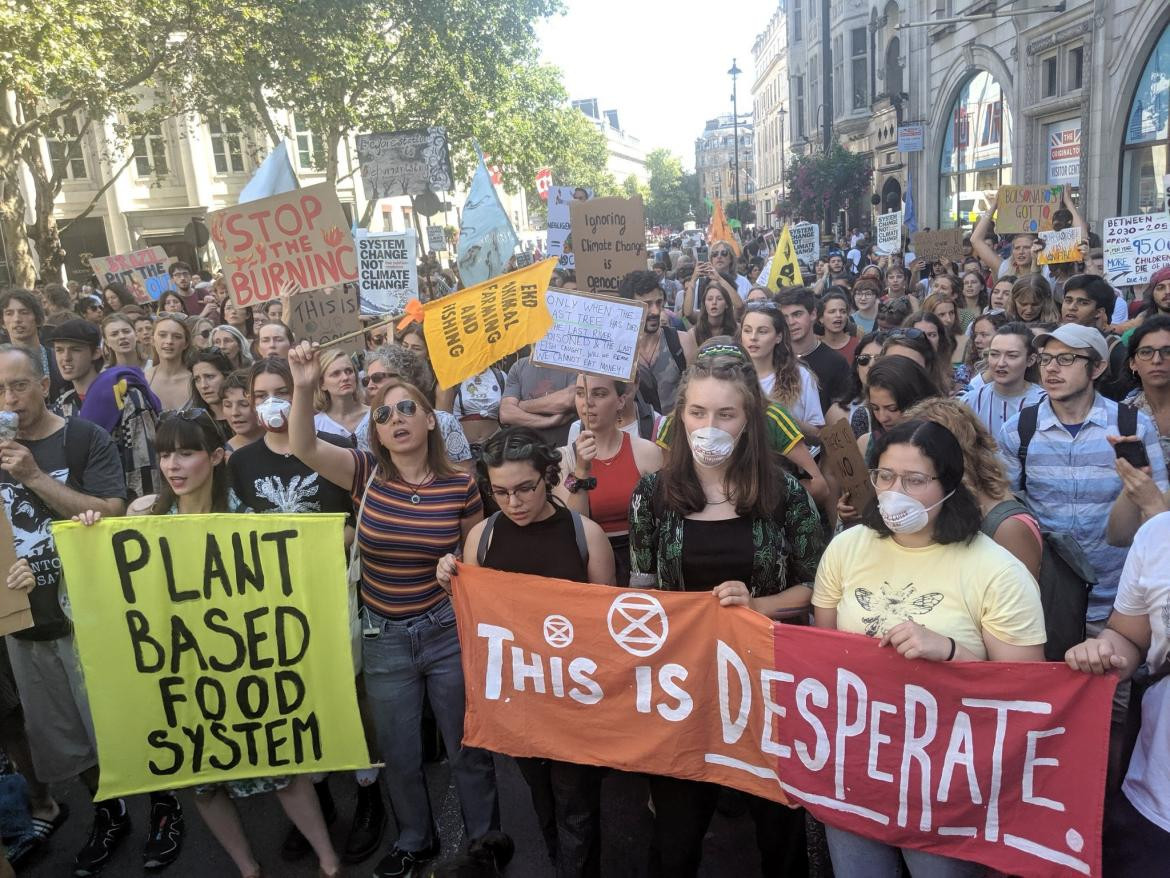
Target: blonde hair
[322,398]
[983,472]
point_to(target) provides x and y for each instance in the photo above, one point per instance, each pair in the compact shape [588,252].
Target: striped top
[995,410]
[401,543]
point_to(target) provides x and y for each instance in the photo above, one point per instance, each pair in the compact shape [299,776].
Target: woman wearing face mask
[921,576]
[233,344]
[418,509]
[833,314]
[273,339]
[783,378]
[339,410]
[169,377]
[717,316]
[191,460]
[534,533]
[1010,359]
[601,468]
[721,517]
[235,400]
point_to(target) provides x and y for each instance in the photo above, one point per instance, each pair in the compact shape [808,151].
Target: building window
[800,128]
[1076,67]
[150,154]
[309,152]
[977,152]
[796,21]
[838,76]
[227,145]
[65,150]
[1048,77]
[1146,153]
[859,72]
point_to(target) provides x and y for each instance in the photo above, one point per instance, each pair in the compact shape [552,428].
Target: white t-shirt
[1144,590]
[743,285]
[322,423]
[808,407]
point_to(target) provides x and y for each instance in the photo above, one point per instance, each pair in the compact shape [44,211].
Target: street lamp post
[735,71]
[783,183]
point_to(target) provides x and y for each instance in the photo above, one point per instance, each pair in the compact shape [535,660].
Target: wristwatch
[574,484]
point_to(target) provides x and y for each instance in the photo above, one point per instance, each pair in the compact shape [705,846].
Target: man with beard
[663,352]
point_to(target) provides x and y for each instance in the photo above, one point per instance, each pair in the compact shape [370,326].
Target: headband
[722,350]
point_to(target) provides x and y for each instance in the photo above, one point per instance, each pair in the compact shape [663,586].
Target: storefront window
[1147,135]
[977,152]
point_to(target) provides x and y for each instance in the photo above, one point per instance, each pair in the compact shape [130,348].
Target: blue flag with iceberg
[274,177]
[486,237]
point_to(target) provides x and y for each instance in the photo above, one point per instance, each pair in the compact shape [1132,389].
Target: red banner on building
[1002,764]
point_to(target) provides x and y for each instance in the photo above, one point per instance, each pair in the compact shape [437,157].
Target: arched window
[977,152]
[1144,163]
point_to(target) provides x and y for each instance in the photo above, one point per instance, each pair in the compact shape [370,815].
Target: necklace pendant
[415,499]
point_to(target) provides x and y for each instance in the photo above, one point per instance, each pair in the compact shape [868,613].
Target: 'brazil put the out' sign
[215,647]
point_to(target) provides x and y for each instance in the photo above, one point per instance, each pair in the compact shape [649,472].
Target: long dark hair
[703,329]
[903,379]
[190,430]
[857,391]
[753,478]
[920,343]
[213,357]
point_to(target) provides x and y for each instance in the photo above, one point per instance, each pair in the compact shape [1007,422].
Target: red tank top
[609,502]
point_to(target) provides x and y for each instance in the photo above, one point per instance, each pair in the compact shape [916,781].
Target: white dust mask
[903,514]
[273,413]
[711,446]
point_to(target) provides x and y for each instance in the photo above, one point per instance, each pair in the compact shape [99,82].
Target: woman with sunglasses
[417,509]
[233,345]
[534,533]
[195,482]
[783,377]
[891,313]
[869,349]
[921,576]
[201,328]
[209,369]
[339,409]
[721,517]
[913,343]
[169,377]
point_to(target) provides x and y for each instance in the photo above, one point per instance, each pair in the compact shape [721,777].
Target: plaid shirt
[1073,482]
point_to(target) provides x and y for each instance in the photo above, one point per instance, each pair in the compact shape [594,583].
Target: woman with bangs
[722,517]
[1032,302]
[414,508]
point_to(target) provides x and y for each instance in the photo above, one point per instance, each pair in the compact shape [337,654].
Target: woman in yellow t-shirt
[922,577]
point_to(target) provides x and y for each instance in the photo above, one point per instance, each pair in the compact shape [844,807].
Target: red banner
[1002,764]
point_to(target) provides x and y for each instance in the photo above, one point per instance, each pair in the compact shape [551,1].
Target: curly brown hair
[983,471]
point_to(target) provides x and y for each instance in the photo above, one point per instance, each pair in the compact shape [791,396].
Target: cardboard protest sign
[147,268]
[889,233]
[609,239]
[214,647]
[844,461]
[783,267]
[593,334]
[1001,763]
[436,238]
[558,240]
[404,162]
[939,244]
[1135,247]
[15,613]
[1026,208]
[323,315]
[1061,246]
[387,271]
[300,236]
[469,330]
[806,239]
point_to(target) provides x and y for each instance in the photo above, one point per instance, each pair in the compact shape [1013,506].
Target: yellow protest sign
[719,230]
[214,647]
[785,266]
[469,330]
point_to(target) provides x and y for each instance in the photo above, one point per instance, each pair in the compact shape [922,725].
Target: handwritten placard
[845,462]
[404,162]
[1135,247]
[323,315]
[387,272]
[593,334]
[938,244]
[609,238]
[1026,209]
[1061,246]
[146,268]
[436,238]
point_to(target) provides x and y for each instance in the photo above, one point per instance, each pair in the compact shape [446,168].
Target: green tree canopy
[672,192]
[821,183]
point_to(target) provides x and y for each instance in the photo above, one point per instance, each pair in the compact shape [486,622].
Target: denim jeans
[404,661]
[855,856]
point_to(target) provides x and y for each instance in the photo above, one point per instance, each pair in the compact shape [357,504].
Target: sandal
[42,829]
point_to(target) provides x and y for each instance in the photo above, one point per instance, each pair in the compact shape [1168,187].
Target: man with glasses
[722,259]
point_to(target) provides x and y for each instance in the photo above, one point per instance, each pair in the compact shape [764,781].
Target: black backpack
[1066,576]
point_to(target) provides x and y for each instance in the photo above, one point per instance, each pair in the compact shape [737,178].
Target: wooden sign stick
[357,332]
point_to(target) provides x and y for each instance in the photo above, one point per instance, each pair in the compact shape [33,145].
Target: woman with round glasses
[414,509]
[921,577]
[535,533]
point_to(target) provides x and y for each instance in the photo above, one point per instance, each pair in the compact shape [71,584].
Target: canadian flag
[543,182]
[494,170]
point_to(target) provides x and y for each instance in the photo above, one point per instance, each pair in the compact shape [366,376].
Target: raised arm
[332,461]
[979,240]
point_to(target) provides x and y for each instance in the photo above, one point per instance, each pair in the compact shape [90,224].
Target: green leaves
[819,184]
[672,193]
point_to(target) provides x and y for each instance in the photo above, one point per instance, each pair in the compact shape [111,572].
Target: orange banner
[597,659]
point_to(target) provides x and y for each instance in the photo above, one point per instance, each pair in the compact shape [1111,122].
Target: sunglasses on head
[191,414]
[866,359]
[762,306]
[406,407]
[908,332]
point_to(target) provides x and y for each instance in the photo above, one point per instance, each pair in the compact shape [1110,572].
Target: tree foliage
[818,185]
[673,193]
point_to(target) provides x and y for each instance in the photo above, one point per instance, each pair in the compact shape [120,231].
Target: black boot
[369,824]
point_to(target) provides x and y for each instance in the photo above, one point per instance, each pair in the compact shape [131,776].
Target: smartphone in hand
[1132,451]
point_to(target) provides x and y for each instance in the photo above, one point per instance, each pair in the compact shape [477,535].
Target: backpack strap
[485,538]
[579,535]
[1029,415]
[1000,513]
[675,348]
[76,455]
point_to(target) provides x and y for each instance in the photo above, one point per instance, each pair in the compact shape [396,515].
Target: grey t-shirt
[526,381]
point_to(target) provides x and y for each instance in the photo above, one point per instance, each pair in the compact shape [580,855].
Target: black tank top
[542,548]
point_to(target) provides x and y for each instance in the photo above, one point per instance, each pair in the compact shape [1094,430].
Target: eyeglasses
[715,253]
[376,378]
[1063,359]
[406,407]
[520,492]
[1147,353]
[884,479]
[909,332]
[866,359]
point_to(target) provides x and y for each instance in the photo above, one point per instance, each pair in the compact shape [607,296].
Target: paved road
[730,846]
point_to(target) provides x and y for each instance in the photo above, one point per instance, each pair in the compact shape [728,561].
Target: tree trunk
[43,229]
[21,264]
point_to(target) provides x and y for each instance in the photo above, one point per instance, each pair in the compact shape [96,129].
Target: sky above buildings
[663,67]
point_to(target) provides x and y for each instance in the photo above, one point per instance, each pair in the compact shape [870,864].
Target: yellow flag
[719,230]
[214,647]
[785,267]
[471,329]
